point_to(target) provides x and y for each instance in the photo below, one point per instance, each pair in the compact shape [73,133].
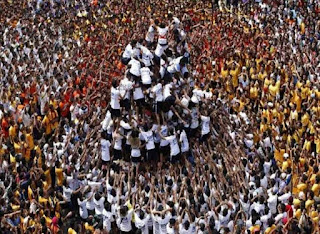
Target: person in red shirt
[5,125]
[289,208]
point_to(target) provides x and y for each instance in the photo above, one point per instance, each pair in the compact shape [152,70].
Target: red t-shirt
[289,210]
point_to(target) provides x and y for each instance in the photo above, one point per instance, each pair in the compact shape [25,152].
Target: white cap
[302,196]
[213,63]
[270,104]
[286,155]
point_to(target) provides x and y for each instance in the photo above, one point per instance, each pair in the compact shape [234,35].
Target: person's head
[133,43]
[114,83]
[123,210]
[186,225]
[172,222]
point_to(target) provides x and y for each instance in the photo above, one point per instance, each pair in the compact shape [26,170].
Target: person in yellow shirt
[13,131]
[316,186]
[234,72]
[59,174]
[46,124]
[54,118]
[224,71]
[254,90]
[274,89]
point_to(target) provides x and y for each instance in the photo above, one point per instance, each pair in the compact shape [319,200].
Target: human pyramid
[159,117]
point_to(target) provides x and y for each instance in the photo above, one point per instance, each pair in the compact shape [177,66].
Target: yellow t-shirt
[12,132]
[30,141]
[234,74]
[71,231]
[316,189]
[224,73]
[46,124]
[253,92]
[274,89]
[59,173]
[270,229]
[88,227]
[301,187]
[305,120]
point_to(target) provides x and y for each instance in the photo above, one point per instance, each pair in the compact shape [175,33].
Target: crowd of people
[159,116]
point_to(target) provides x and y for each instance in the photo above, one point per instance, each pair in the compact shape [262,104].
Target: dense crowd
[159,116]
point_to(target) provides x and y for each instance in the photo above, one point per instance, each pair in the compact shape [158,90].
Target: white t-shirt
[128,51]
[124,223]
[157,90]
[105,150]
[137,93]
[135,153]
[67,193]
[115,98]
[174,65]
[148,138]
[167,90]
[194,118]
[174,146]
[160,224]
[135,67]
[117,142]
[145,75]
[99,205]
[125,85]
[182,229]
[184,142]
[83,209]
[205,125]
[150,34]
[107,219]
[142,224]
[170,230]
[162,35]
[90,203]
[272,203]
[164,132]
[147,56]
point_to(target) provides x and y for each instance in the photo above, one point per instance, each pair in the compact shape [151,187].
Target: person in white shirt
[117,145]
[82,208]
[147,136]
[174,21]
[179,65]
[146,56]
[151,32]
[141,220]
[99,204]
[105,149]
[272,202]
[124,219]
[157,94]
[115,100]
[138,97]
[184,142]
[134,67]
[128,52]
[160,220]
[174,146]
[162,42]
[171,226]
[108,215]
[205,126]
[125,88]
[146,75]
